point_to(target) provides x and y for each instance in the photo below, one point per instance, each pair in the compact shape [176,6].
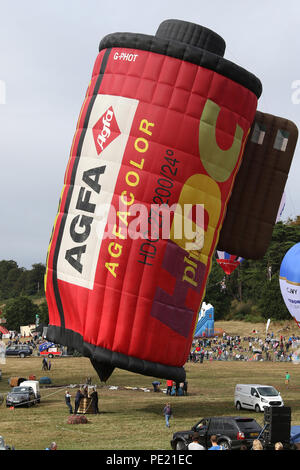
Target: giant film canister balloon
[289,279]
[164,122]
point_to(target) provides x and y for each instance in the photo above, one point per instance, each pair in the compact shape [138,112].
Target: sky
[47,52]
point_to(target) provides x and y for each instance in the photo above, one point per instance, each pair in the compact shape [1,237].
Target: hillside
[250,293]
[241,328]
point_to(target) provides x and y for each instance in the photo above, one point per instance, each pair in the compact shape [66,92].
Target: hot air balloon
[228,262]
[259,187]
[205,323]
[289,279]
[281,207]
[164,123]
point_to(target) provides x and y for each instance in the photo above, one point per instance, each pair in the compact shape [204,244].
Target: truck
[49,349]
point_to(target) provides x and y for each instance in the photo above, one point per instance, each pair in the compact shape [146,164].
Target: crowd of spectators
[17,339]
[254,347]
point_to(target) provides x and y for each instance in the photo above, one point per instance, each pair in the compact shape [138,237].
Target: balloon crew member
[94,397]
[169,386]
[156,385]
[78,397]
[68,401]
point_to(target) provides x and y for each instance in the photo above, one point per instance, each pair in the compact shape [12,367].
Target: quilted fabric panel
[259,185]
[154,129]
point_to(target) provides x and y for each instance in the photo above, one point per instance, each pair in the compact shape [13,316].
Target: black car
[21,350]
[21,396]
[231,432]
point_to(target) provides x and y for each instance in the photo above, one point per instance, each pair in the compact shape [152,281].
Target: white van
[34,384]
[256,397]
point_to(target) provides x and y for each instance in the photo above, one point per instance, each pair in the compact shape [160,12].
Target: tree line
[250,293]
[16,281]
[19,287]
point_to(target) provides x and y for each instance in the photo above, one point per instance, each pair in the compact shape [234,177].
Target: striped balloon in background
[228,262]
[289,279]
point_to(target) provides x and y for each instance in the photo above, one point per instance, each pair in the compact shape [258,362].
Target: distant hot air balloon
[205,324]
[281,207]
[228,262]
[257,194]
[289,279]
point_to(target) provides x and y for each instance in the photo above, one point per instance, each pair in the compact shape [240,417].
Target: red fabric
[132,313]
[228,266]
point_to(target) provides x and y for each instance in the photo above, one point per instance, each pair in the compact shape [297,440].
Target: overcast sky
[47,51]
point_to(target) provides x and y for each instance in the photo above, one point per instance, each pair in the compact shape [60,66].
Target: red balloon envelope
[228,262]
[164,121]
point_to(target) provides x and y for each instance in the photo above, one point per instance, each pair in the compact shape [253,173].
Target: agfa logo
[105,130]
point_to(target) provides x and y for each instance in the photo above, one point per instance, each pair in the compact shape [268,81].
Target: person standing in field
[94,397]
[287,378]
[169,386]
[68,401]
[78,397]
[168,413]
[44,364]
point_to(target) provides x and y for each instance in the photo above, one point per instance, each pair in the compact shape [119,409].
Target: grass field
[132,419]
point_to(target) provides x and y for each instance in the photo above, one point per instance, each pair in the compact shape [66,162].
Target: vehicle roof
[253,385]
[29,382]
[228,417]
[22,386]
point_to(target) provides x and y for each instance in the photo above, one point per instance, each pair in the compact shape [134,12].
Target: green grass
[131,419]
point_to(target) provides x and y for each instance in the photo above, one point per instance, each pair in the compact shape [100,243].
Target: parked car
[21,350]
[231,432]
[21,396]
